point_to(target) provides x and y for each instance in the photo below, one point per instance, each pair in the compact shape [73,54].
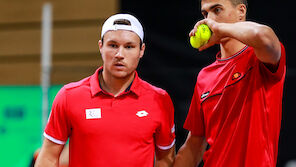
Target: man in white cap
[112,118]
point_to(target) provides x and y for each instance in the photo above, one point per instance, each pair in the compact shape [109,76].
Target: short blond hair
[237,2]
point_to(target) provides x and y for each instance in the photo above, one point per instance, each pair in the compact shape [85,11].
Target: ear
[142,50]
[242,12]
[100,43]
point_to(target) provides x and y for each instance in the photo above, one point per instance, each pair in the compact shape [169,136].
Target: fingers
[193,31]
[204,47]
[214,39]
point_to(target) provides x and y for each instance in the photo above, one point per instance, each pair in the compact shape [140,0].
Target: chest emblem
[236,75]
[94,113]
[204,95]
[142,113]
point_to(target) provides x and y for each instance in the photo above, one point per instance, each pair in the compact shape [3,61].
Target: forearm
[49,154]
[45,161]
[261,37]
[165,158]
[191,153]
[185,158]
[164,163]
[249,33]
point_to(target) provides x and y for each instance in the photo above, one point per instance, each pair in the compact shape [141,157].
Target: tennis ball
[195,40]
[202,36]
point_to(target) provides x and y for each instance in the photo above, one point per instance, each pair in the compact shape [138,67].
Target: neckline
[218,56]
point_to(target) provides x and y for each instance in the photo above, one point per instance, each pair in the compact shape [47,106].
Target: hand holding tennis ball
[202,36]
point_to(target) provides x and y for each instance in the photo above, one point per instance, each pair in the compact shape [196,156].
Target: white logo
[94,113]
[204,95]
[142,114]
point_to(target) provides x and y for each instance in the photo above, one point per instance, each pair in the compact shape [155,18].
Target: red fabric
[119,137]
[237,106]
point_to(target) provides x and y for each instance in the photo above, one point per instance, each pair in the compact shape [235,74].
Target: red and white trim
[167,147]
[53,139]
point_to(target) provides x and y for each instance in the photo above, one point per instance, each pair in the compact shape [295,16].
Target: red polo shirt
[111,131]
[237,106]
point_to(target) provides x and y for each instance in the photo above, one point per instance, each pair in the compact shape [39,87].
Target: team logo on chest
[142,113]
[94,113]
[236,75]
[204,95]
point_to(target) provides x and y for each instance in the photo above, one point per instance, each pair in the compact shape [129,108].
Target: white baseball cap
[111,24]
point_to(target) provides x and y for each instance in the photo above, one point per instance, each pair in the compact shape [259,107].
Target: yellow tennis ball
[195,40]
[202,36]
[205,33]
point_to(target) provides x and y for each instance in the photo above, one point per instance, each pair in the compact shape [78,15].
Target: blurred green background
[20,123]
[75,55]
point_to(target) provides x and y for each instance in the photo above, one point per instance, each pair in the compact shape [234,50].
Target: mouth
[119,65]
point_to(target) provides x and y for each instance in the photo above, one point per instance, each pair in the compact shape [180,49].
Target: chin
[121,74]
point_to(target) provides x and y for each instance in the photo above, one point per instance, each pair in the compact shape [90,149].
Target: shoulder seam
[75,84]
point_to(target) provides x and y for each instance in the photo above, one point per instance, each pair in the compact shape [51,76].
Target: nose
[120,53]
[211,16]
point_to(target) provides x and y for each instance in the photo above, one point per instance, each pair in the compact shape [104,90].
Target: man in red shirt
[237,102]
[112,118]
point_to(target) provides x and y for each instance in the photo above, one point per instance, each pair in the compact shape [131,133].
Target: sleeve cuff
[53,139]
[167,147]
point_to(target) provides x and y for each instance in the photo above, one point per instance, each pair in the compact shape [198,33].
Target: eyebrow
[211,7]
[114,41]
[111,41]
